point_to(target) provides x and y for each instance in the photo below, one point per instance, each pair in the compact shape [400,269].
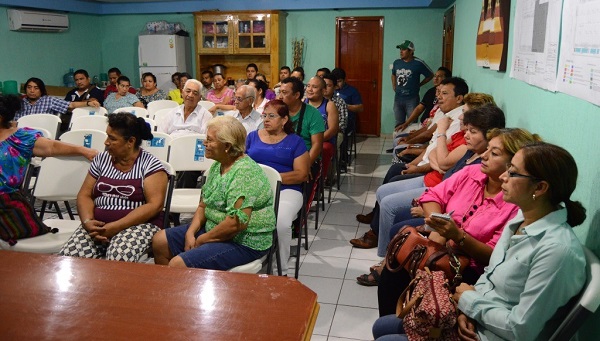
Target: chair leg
[69,210]
[60,216]
[43,209]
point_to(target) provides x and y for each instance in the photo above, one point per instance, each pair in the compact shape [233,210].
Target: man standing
[406,81]
[244,98]
[207,82]
[307,120]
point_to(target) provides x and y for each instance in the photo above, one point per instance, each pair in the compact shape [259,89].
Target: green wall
[50,55]
[561,119]
[422,26]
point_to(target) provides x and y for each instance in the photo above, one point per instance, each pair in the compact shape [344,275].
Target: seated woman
[538,264]
[261,87]
[234,222]
[149,92]
[474,197]
[277,146]
[121,199]
[222,96]
[269,94]
[17,147]
[177,94]
[122,98]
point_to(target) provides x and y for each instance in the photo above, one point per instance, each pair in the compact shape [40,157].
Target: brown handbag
[412,251]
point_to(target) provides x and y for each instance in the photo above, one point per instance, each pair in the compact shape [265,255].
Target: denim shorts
[215,256]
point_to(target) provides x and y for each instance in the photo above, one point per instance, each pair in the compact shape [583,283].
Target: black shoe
[389,151]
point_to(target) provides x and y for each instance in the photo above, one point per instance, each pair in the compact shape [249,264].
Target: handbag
[18,219]
[427,309]
[412,251]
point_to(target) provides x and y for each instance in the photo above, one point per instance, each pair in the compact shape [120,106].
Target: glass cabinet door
[252,32]
[215,35]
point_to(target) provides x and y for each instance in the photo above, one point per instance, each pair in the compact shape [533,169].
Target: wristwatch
[461,242]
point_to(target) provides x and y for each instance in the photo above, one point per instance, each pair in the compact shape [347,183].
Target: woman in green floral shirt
[234,222]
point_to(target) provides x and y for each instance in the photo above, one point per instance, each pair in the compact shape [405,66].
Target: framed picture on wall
[492,35]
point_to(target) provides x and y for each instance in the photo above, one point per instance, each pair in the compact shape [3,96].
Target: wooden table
[51,297]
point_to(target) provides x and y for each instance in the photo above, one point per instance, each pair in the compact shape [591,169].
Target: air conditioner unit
[22,20]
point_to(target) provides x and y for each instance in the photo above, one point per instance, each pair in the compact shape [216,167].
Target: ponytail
[575,212]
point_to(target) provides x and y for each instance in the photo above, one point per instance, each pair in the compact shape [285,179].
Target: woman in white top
[261,89]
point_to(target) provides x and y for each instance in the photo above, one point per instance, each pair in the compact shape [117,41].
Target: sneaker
[367,241]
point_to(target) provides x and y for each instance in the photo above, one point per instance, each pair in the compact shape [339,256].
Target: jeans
[403,107]
[389,328]
[393,197]
[215,256]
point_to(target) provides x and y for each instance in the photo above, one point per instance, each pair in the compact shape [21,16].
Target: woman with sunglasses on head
[538,264]
[277,146]
[121,199]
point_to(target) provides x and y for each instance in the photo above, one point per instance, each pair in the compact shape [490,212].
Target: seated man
[244,98]
[330,93]
[284,73]
[83,92]
[114,74]
[351,96]
[328,110]
[37,101]
[207,82]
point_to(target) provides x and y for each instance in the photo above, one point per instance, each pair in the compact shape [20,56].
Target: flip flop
[364,279]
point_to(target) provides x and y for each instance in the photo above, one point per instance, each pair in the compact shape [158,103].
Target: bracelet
[461,242]
[87,104]
[438,135]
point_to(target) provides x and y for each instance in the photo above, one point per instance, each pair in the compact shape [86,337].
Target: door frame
[379,68]
[448,51]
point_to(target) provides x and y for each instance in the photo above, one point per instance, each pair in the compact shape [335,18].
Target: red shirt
[113,88]
[434,177]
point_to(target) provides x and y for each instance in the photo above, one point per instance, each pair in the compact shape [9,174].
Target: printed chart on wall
[535,47]
[579,63]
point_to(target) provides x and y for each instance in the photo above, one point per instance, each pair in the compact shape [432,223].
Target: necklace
[472,158]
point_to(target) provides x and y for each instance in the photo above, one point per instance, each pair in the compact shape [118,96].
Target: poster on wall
[579,62]
[492,35]
[536,41]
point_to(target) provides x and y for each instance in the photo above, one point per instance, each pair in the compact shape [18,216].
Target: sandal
[364,279]
[376,267]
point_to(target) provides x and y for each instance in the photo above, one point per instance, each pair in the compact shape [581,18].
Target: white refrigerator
[163,55]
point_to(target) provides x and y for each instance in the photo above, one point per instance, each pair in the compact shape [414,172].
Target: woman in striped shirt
[120,202]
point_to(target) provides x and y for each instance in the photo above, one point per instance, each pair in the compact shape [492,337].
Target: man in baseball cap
[406,45]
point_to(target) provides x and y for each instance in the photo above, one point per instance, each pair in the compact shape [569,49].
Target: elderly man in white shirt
[188,118]
[244,98]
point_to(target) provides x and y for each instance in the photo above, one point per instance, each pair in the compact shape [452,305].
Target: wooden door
[359,51]
[448,38]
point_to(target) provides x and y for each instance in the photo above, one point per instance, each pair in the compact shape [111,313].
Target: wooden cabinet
[236,39]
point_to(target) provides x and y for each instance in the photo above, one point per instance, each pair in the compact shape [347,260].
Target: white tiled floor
[331,265]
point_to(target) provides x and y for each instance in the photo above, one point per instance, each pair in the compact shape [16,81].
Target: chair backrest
[158,146]
[151,122]
[45,132]
[139,112]
[275,182]
[96,122]
[586,304]
[160,116]
[46,121]
[90,138]
[154,106]
[88,111]
[170,187]
[187,153]
[61,177]
[206,104]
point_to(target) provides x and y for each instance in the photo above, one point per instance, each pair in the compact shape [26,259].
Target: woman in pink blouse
[221,95]
[474,197]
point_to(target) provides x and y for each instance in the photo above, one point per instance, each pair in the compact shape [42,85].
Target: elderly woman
[221,94]
[149,92]
[277,146]
[121,199]
[234,222]
[538,264]
[261,88]
[122,98]
[17,146]
[474,197]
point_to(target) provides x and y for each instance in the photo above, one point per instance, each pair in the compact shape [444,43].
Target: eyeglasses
[270,116]
[125,190]
[239,99]
[512,174]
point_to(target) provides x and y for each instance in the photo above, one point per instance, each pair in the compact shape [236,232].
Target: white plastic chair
[151,122]
[46,121]
[159,145]
[139,112]
[255,266]
[160,116]
[96,122]
[90,138]
[586,305]
[60,179]
[88,111]
[155,106]
[206,104]
[187,154]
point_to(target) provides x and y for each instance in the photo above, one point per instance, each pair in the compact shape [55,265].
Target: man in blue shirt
[351,96]
[406,81]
